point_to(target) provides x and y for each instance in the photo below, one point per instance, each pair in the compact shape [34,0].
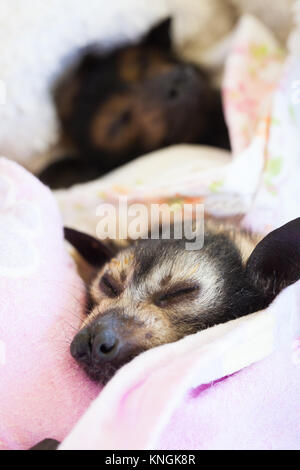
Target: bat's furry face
[156,292]
[136,99]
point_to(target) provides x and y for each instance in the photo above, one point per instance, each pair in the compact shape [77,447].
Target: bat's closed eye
[121,121]
[110,286]
[177,294]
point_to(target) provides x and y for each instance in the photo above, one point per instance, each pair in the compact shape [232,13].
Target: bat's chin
[101,374]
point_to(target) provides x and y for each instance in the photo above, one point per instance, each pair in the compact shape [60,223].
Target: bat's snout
[95,346]
[104,345]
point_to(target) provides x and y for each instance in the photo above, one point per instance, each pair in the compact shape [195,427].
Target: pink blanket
[41,299]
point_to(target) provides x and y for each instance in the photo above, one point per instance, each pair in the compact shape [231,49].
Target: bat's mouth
[102,374]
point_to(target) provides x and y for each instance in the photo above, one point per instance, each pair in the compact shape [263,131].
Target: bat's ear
[275,262]
[94,251]
[160,35]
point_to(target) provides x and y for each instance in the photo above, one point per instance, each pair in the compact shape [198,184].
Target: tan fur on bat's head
[156,291]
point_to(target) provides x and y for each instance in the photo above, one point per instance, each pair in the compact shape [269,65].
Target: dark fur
[46,444]
[116,106]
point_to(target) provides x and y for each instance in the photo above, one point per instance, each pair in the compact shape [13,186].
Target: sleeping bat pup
[155,291]
[116,105]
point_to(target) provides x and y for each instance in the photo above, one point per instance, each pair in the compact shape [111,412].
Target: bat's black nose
[80,346]
[95,346]
[106,344]
[182,81]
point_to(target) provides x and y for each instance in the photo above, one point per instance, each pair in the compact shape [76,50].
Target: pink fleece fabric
[256,408]
[42,392]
